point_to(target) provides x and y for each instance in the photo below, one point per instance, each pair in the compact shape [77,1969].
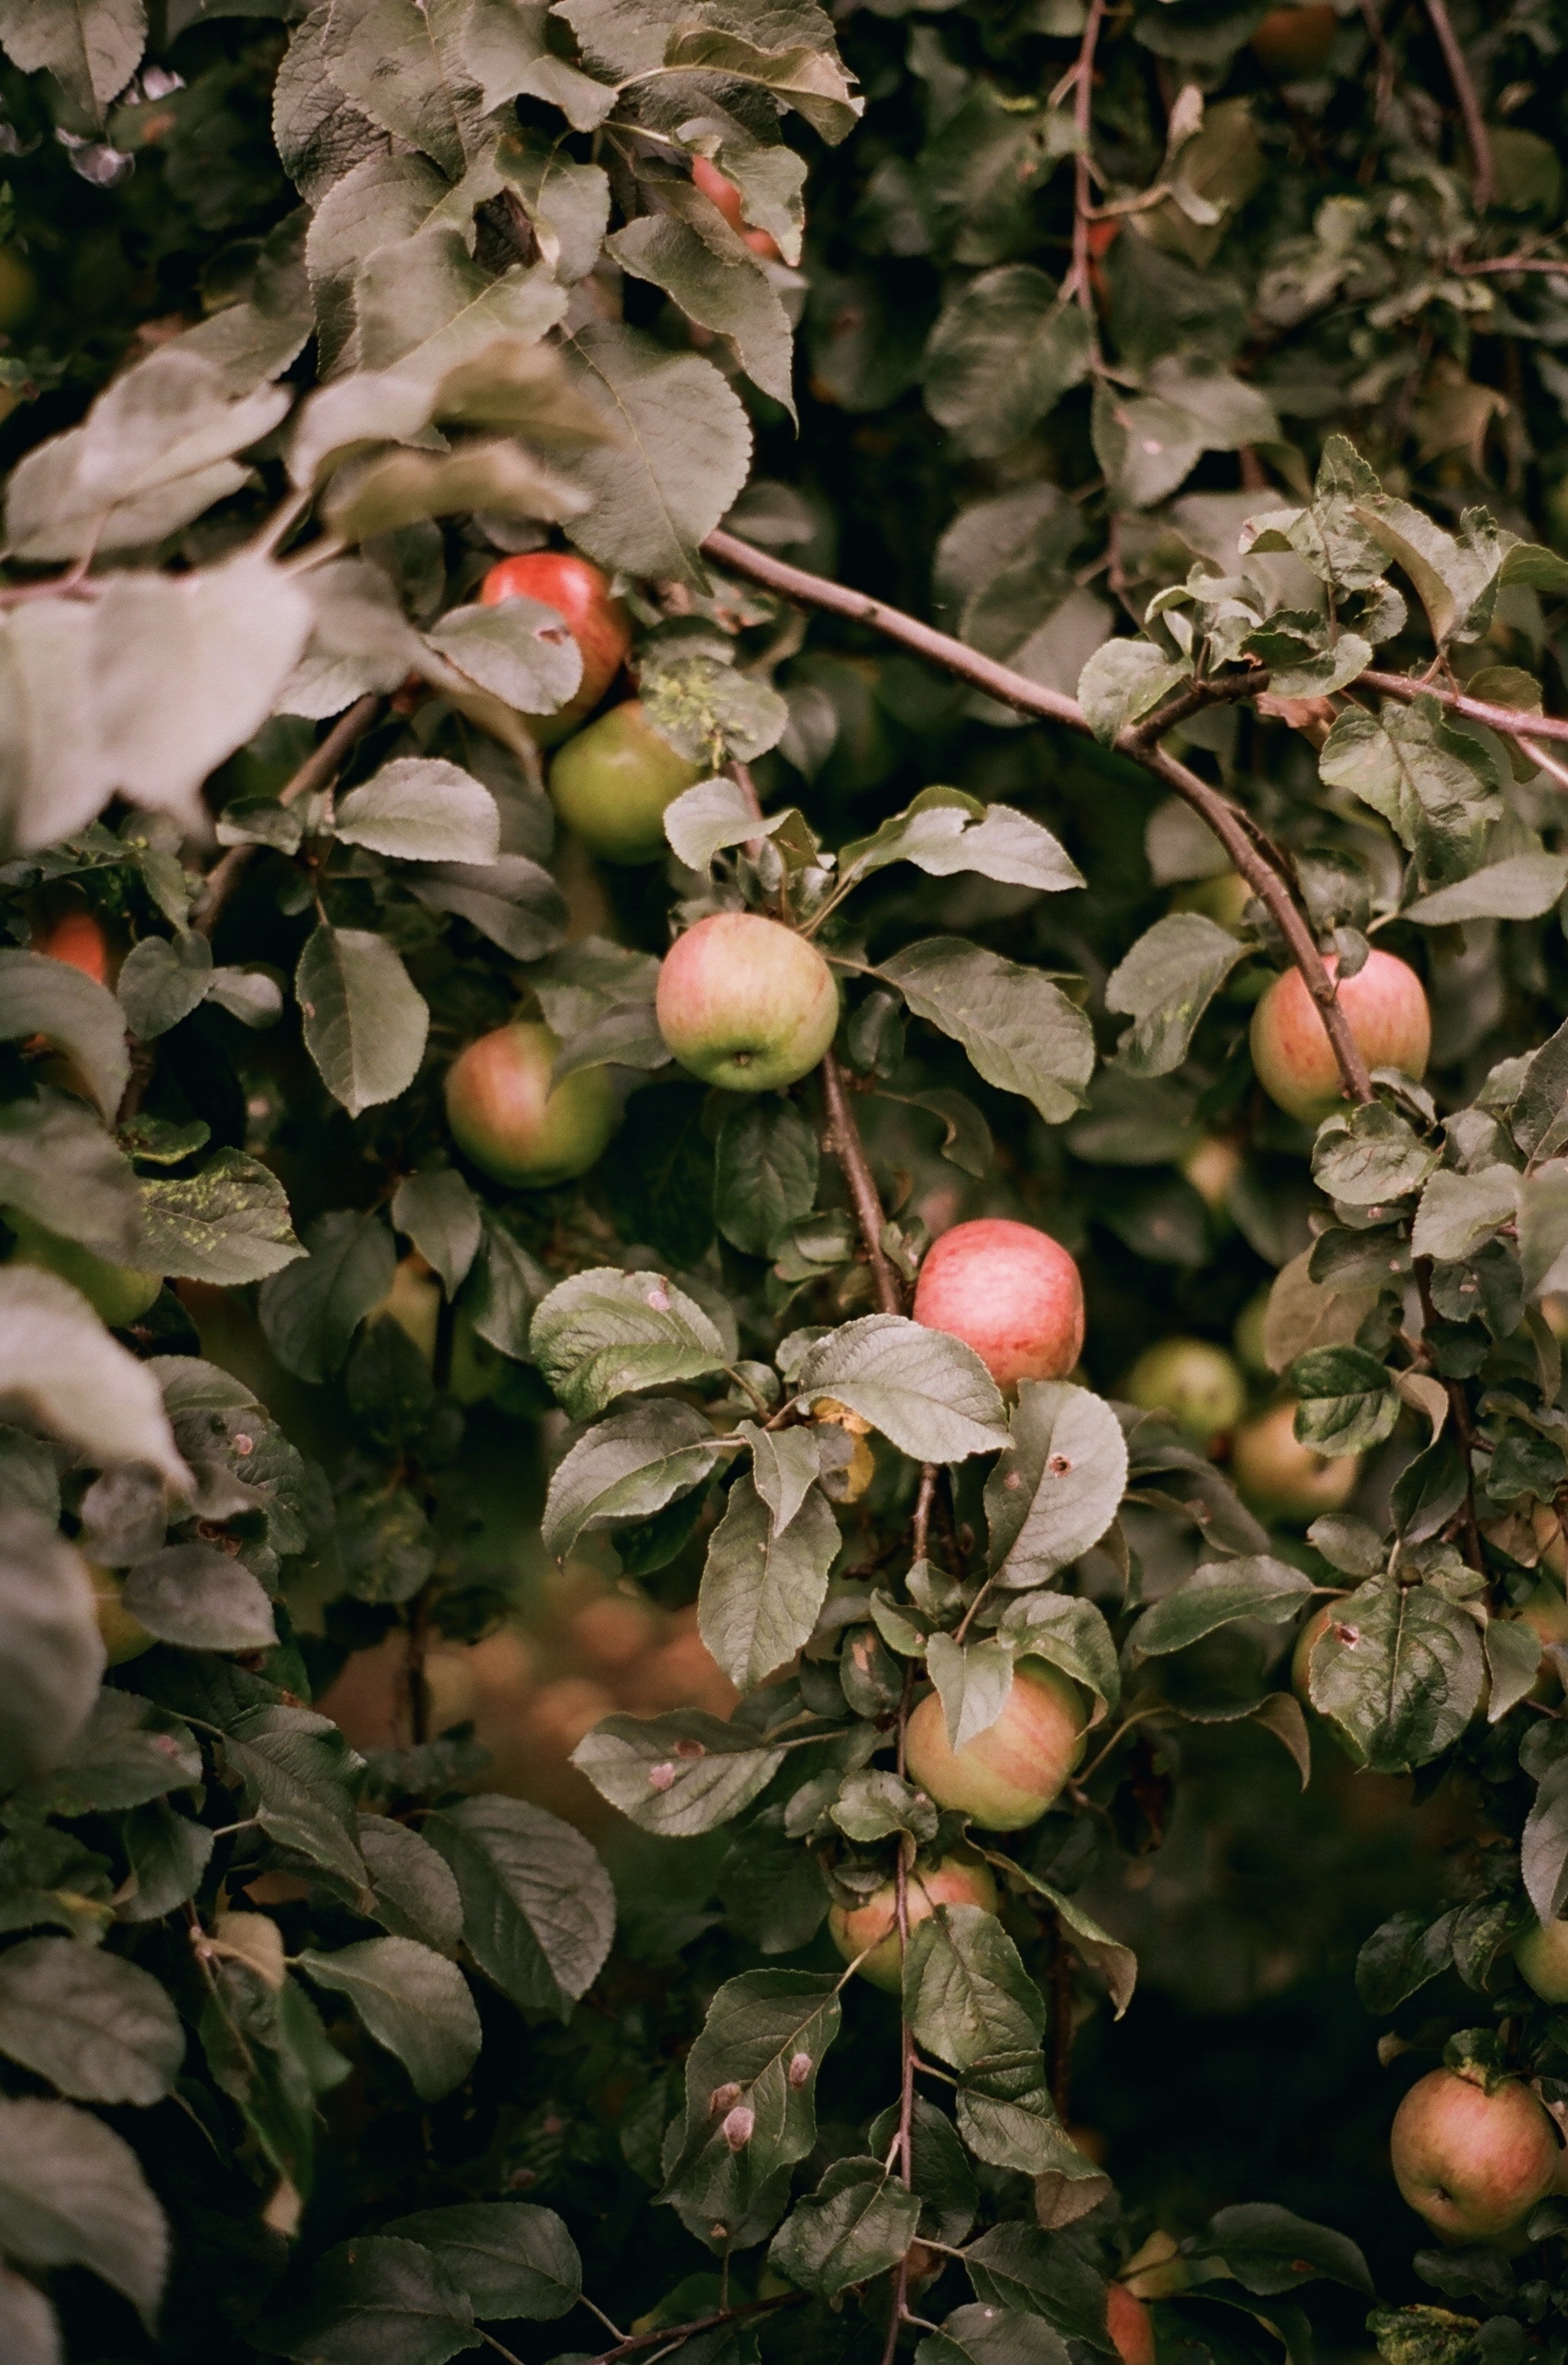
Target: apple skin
[599,623]
[1279,1477]
[1294,43]
[124,1637]
[611,783]
[506,1116]
[1211,1166]
[119,1293]
[1545,1612]
[1198,1385]
[722,192]
[745,1003]
[1007,1777]
[874,1923]
[1385,1007]
[1541,1954]
[1008,1290]
[1306,1642]
[1473,2165]
[78,939]
[1130,2325]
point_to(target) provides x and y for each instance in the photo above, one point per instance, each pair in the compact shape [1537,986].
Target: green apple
[1198,1385]
[124,1637]
[612,782]
[512,1122]
[1006,1776]
[1279,1477]
[745,1003]
[1541,1954]
[121,1293]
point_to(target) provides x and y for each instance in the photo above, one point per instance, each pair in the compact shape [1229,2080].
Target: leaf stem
[850,1151]
[323,764]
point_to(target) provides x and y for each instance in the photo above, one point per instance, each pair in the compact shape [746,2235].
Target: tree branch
[1512,722]
[850,1151]
[1233,829]
[1483,180]
[322,765]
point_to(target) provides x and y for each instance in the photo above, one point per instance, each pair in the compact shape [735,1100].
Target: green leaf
[1213,1596]
[1056,1485]
[230,1224]
[604,1333]
[503,1291]
[365,1023]
[1007,2118]
[973,1682]
[58,1166]
[511,2257]
[1020,1030]
[1166,983]
[1148,442]
[29,2329]
[1005,350]
[598,998]
[1521,886]
[538,1909]
[1017,2265]
[1458,1212]
[1125,681]
[627,1468]
[72,1011]
[128,1752]
[415,1894]
[90,47]
[683,454]
[1116,1964]
[944,832]
[293,1765]
[763,1587]
[965,1993]
[717,282]
[160,984]
[413,2001]
[801,69]
[926,1392]
[874,1804]
[443,1219]
[75,2195]
[405,67]
[1401,1956]
[1348,1401]
[784,1465]
[195,1597]
[1455,576]
[1071,1635]
[58,1364]
[765,1172]
[520,651]
[1543,1855]
[765,2037]
[421,809]
[99,2029]
[1371,1155]
[1401,1673]
[676,1774]
[858,2223]
[376,2301]
[50,1644]
[311,1311]
[1270,2249]
[1434,782]
[991,2336]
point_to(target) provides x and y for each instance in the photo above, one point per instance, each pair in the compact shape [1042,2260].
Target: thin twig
[1501,264]
[1234,829]
[668,2334]
[1483,186]
[851,1154]
[1079,283]
[920,1535]
[323,763]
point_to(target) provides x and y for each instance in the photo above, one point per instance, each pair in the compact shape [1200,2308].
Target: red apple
[1385,1007]
[516,1127]
[745,1003]
[722,192]
[611,784]
[1198,1385]
[874,1923]
[1008,1776]
[1008,1290]
[597,622]
[78,939]
[1281,1478]
[1295,42]
[1130,2325]
[1473,2164]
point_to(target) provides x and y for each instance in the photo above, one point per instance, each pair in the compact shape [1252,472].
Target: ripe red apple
[1007,1776]
[1541,1954]
[599,623]
[722,191]
[1008,1290]
[874,1923]
[611,784]
[506,1117]
[1385,1007]
[119,1293]
[1130,2325]
[1281,1478]
[1294,43]
[78,939]
[1473,2164]
[745,1003]
[1198,1385]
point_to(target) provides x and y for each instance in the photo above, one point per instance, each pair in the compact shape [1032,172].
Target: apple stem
[1235,830]
[850,1151]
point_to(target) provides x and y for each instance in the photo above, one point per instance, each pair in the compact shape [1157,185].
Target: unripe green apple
[1294,43]
[1196,1384]
[1008,1290]
[119,1292]
[1545,1612]
[1306,1642]
[1473,2164]
[1130,2325]
[124,1637]
[745,1003]
[1281,1478]
[874,1923]
[478,1368]
[1541,1954]
[1223,899]
[1247,1337]
[516,1127]
[597,622]
[1386,1008]
[1211,1166]
[1007,1776]
[611,784]
[414,1303]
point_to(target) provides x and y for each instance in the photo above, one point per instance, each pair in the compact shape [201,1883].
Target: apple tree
[782,816]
